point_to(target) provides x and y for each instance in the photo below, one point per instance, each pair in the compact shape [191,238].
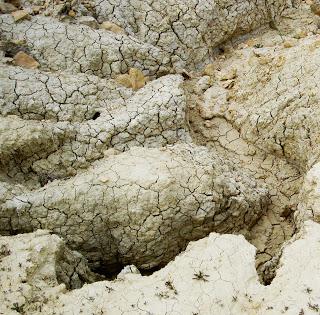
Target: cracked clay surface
[177,139]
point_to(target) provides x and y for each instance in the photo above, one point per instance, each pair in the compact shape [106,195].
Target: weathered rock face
[143,206]
[34,267]
[130,128]
[205,280]
[61,46]
[282,118]
[258,105]
[152,117]
[172,33]
[287,82]
[214,275]
[188,30]
[39,95]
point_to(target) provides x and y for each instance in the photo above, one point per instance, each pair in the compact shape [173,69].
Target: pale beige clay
[159,157]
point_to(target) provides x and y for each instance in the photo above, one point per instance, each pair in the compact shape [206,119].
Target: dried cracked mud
[159,157]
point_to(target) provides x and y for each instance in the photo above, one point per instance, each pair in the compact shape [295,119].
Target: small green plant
[285,309]
[18,308]
[109,289]
[162,295]
[314,307]
[308,290]
[171,287]
[200,276]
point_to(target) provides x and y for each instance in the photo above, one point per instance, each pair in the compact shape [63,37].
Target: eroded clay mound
[130,128]
[143,206]
[282,118]
[214,275]
[34,267]
[78,48]
[34,150]
[39,95]
[190,30]
[166,33]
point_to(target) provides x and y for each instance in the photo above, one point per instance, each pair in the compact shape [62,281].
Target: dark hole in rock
[221,50]
[10,48]
[8,54]
[110,272]
[96,115]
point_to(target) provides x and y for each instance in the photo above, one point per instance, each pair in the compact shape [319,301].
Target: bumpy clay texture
[142,206]
[34,267]
[152,117]
[188,30]
[214,275]
[55,97]
[129,129]
[167,33]
[60,46]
